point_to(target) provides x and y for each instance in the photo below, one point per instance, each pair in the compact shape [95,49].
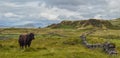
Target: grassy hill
[116,23]
[56,43]
[83,24]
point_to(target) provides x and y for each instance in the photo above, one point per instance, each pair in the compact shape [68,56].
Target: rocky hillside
[83,24]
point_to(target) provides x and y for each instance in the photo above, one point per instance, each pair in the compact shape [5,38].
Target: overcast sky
[29,11]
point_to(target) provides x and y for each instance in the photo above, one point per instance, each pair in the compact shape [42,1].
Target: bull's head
[31,36]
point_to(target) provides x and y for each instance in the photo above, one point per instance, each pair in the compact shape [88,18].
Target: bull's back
[22,38]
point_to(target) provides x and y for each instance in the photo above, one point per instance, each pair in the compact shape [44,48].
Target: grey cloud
[73,4]
[67,4]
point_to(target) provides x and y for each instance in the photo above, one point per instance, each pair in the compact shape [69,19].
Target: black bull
[25,40]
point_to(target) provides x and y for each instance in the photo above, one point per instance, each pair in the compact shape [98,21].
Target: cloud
[56,13]
[98,16]
[38,10]
[113,3]
[12,15]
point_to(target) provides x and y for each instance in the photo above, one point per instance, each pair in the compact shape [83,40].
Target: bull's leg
[29,44]
[21,44]
[25,45]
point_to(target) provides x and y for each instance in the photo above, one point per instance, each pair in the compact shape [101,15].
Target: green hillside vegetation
[115,23]
[83,24]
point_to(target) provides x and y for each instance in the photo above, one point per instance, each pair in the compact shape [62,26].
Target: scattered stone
[107,46]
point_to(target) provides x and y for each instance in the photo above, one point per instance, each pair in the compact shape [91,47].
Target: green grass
[48,45]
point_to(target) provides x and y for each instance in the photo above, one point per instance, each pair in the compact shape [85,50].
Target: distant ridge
[30,25]
[2,26]
[83,24]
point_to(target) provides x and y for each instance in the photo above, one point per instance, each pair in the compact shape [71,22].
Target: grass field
[56,43]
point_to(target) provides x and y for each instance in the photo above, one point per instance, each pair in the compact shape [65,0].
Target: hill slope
[116,23]
[83,24]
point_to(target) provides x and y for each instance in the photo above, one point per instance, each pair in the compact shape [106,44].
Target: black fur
[25,40]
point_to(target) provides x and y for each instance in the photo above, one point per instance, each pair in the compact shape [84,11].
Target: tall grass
[48,45]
